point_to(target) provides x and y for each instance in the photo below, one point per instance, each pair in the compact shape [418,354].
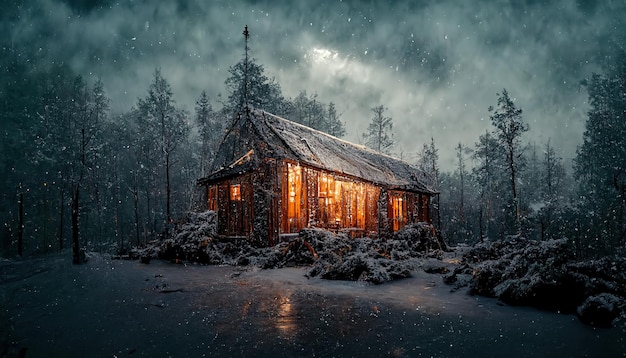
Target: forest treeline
[76,174]
[505,186]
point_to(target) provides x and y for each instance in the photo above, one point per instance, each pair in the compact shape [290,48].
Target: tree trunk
[20,225]
[136,203]
[76,259]
[480,224]
[61,214]
[168,189]
[513,189]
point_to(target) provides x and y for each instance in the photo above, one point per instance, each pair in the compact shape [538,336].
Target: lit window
[235,192]
[296,220]
[398,212]
[212,199]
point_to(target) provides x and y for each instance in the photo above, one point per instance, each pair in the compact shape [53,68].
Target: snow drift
[545,274]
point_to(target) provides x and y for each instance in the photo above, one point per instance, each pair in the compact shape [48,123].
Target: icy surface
[121,308]
[518,271]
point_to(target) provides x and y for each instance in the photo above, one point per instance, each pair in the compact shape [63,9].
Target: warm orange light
[235,192]
[294,197]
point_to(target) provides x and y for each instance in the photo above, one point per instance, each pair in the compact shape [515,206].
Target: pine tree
[428,163]
[461,170]
[210,131]
[600,163]
[249,86]
[552,180]
[530,176]
[379,135]
[299,108]
[334,126]
[507,119]
[167,126]
[489,158]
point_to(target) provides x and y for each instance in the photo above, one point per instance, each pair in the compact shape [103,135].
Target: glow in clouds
[328,66]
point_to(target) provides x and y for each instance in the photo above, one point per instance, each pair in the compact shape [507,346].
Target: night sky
[436,65]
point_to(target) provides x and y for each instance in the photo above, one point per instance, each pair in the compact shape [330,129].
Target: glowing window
[212,199]
[235,192]
[398,211]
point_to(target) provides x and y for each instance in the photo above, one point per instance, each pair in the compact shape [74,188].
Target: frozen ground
[108,308]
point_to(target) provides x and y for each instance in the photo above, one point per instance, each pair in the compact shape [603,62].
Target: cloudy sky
[436,65]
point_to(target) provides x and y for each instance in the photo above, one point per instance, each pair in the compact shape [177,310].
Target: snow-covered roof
[267,135]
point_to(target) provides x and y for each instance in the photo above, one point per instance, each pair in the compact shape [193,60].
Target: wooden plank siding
[233,200]
[316,198]
[296,196]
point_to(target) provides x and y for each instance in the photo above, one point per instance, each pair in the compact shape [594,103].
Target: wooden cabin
[272,177]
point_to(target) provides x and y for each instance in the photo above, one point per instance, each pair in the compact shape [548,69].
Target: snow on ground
[546,274]
[333,256]
[123,308]
[542,274]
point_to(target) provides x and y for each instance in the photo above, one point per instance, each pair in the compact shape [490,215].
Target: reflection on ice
[222,312]
[286,320]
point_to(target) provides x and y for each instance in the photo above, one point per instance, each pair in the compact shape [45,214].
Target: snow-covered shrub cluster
[527,272]
[366,259]
[601,310]
[296,252]
[332,256]
[421,237]
[545,274]
[195,240]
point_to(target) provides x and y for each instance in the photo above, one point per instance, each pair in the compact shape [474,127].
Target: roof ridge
[341,140]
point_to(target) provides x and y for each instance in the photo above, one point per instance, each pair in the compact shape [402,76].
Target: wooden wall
[295,196]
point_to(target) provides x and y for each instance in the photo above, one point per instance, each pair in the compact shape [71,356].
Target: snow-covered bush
[297,252]
[366,259]
[601,310]
[331,255]
[607,274]
[525,272]
[196,240]
[420,236]
[546,274]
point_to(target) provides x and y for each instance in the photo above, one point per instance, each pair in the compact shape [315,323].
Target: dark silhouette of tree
[552,181]
[600,163]
[461,151]
[165,126]
[260,91]
[308,110]
[334,126]
[210,131]
[379,134]
[507,119]
[489,159]
[428,163]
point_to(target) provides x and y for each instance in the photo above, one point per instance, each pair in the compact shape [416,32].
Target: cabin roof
[263,135]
